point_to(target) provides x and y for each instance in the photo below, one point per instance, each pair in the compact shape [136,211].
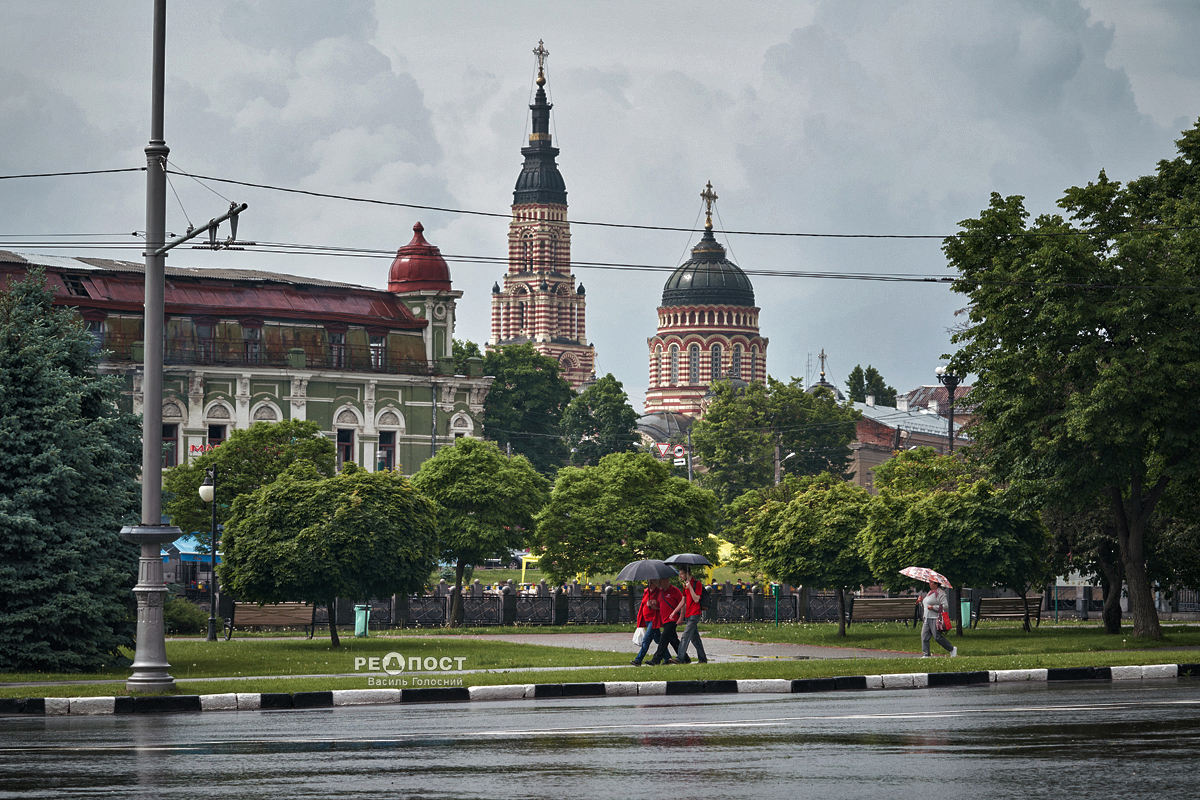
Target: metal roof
[911,421]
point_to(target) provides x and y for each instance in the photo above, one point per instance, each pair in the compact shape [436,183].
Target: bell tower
[538,301]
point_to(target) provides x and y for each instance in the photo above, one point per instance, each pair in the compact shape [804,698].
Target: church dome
[419,265]
[708,278]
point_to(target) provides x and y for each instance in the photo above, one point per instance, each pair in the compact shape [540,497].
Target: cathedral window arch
[674,364]
[716,362]
[735,362]
[754,363]
[658,365]
[694,364]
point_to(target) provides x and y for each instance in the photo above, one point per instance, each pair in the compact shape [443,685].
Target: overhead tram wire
[625,225]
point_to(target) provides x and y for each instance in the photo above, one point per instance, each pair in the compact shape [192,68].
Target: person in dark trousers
[648,618]
[934,603]
[669,599]
[690,608]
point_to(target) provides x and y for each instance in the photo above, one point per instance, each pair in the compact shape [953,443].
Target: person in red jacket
[669,599]
[690,608]
[647,618]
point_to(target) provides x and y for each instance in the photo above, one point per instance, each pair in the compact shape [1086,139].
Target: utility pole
[950,381]
[689,453]
[150,658]
[778,466]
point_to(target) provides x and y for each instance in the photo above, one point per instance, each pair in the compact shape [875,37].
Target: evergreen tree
[863,383]
[68,482]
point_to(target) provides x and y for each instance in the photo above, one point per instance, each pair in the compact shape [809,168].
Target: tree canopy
[598,422]
[1085,337]
[485,504]
[964,527]
[812,539]
[525,404]
[626,508]
[68,483]
[863,383]
[248,460]
[357,535]
[738,435]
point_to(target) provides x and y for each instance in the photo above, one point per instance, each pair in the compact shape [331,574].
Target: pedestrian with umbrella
[935,604]
[656,573]
[690,605]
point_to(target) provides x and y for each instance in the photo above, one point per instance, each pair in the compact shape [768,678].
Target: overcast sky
[838,117]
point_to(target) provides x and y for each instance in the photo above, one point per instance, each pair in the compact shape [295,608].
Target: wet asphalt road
[1080,740]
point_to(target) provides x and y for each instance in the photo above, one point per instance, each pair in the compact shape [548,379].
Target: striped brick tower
[538,301]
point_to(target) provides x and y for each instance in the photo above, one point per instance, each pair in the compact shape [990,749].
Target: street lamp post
[950,381]
[208,493]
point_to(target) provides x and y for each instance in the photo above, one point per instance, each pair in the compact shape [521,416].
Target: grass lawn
[996,646]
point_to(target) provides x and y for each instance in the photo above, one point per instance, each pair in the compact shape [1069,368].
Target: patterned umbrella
[925,574]
[689,559]
[648,570]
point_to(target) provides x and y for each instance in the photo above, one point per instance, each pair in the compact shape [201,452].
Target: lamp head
[940,371]
[207,488]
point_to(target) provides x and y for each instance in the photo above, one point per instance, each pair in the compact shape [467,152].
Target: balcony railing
[251,353]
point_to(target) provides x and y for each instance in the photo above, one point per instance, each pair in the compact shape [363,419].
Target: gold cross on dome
[541,52]
[709,197]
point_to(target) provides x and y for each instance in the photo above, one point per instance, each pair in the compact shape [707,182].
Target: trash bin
[965,609]
[362,615]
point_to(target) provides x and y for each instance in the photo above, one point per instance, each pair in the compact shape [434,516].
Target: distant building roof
[664,425]
[916,421]
[922,396]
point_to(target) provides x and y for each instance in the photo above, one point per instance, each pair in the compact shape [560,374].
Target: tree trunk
[841,601]
[333,634]
[1131,518]
[1111,578]
[1025,626]
[956,609]
[456,602]
[803,612]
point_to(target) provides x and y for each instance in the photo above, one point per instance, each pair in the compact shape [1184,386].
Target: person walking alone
[690,606]
[935,603]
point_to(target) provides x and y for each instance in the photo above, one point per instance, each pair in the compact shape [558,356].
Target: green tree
[248,460]
[1083,335]
[964,527]
[357,535]
[68,482]
[736,440]
[598,422]
[462,350]
[525,404]
[812,539]
[863,383]
[626,508]
[486,504]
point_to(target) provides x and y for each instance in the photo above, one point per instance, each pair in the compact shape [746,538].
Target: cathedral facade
[538,301]
[707,329]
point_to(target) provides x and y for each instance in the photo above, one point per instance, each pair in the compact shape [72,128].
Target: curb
[159,704]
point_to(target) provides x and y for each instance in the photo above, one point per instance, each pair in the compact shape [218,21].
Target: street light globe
[206,490]
[940,371]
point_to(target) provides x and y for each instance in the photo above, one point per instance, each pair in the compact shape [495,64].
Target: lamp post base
[150,658]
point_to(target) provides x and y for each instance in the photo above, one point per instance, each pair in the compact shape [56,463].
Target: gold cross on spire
[822,357]
[541,52]
[709,197]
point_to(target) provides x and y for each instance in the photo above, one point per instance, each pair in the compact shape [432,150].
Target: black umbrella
[688,559]
[648,570]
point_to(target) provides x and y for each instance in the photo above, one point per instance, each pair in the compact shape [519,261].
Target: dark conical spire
[540,180]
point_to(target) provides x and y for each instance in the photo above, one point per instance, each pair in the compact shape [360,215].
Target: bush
[180,616]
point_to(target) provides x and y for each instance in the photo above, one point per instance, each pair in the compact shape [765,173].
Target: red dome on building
[419,265]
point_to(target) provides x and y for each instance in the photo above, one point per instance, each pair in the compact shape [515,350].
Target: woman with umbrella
[934,603]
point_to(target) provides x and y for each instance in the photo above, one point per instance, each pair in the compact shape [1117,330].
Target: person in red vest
[690,608]
[647,618]
[669,599]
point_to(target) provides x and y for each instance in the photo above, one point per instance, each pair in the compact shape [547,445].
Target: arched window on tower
[674,364]
[656,378]
[694,364]
[716,362]
[527,251]
[520,317]
[735,362]
[754,363]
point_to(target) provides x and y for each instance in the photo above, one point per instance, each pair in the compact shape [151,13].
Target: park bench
[881,609]
[1008,608]
[248,616]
